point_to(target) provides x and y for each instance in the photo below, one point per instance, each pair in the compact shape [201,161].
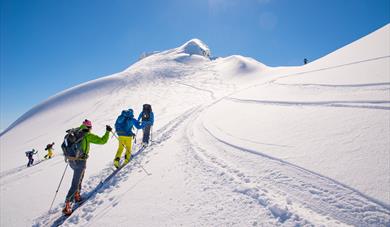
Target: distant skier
[124,128]
[305,61]
[29,155]
[78,164]
[147,117]
[49,149]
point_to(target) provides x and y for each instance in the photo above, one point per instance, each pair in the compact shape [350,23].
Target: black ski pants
[146,133]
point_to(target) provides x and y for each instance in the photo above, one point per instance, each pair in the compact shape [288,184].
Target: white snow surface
[235,143]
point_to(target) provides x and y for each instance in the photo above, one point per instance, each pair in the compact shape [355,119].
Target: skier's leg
[77,174]
[146,134]
[82,176]
[118,152]
[128,142]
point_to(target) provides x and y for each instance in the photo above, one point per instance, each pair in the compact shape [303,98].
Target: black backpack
[72,143]
[146,110]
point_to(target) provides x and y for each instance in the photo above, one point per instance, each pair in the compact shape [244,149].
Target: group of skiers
[77,142]
[30,154]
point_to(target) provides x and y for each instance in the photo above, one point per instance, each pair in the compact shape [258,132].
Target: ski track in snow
[321,194]
[339,103]
[18,173]
[300,188]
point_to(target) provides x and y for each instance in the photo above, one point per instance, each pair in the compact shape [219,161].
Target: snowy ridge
[236,143]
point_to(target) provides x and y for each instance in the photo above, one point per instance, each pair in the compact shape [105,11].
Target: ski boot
[68,209]
[127,159]
[77,197]
[116,162]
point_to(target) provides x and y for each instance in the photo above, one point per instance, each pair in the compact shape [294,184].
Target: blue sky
[48,46]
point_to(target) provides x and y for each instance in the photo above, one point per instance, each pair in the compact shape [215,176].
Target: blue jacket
[148,122]
[125,122]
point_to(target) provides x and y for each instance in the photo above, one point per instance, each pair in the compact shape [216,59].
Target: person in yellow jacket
[49,149]
[124,128]
[79,164]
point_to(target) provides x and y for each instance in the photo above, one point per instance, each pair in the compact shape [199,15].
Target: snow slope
[235,143]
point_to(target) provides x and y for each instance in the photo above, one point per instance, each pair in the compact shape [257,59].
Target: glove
[65,159]
[108,128]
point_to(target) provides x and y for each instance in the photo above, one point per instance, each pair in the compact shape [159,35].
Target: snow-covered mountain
[235,143]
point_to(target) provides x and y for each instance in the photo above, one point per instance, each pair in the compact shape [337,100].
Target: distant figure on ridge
[49,149]
[29,155]
[124,128]
[76,151]
[305,61]
[147,117]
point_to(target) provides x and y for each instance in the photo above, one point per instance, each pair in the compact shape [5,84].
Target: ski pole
[58,186]
[134,159]
[135,137]
[151,133]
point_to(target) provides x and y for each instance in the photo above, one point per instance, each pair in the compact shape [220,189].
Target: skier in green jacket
[79,164]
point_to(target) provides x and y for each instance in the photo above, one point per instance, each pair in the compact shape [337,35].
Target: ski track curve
[296,185]
[365,104]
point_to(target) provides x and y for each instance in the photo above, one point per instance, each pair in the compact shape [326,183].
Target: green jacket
[92,138]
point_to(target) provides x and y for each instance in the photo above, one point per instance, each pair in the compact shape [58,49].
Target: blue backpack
[121,122]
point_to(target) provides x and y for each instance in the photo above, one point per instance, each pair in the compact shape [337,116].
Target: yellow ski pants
[124,141]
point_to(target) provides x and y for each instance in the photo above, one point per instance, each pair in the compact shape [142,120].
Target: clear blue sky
[50,45]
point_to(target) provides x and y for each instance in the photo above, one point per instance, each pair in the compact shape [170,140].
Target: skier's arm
[92,138]
[137,124]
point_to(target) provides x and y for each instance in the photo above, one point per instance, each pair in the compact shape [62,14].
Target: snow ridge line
[331,67]
[385,85]
[340,103]
[379,203]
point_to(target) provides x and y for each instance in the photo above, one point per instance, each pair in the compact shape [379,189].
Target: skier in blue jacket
[147,117]
[124,128]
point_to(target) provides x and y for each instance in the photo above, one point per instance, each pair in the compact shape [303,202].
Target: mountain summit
[195,47]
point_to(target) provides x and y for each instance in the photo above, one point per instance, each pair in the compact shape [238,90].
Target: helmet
[87,123]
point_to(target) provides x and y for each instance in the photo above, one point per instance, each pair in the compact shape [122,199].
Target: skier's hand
[108,128]
[66,159]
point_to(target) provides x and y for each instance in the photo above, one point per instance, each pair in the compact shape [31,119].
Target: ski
[60,220]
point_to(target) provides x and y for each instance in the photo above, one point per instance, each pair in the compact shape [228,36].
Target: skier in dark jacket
[147,117]
[30,155]
[79,164]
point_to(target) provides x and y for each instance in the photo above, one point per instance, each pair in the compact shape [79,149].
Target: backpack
[120,124]
[146,110]
[72,143]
